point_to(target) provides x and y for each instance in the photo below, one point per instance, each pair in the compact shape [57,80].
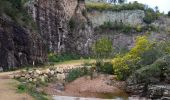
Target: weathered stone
[47,71]
[61,76]
[19,46]
[158,91]
[132,17]
[38,72]
[53,18]
[59,87]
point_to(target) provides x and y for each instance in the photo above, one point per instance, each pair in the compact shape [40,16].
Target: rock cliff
[129,17]
[53,18]
[19,46]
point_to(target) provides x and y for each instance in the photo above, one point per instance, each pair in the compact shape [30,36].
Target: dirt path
[8,88]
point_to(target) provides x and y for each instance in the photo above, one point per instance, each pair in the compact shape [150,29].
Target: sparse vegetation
[31,89]
[76,73]
[111,7]
[126,28]
[63,57]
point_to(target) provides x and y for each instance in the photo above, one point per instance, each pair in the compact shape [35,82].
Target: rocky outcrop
[157,91]
[19,46]
[129,17]
[53,18]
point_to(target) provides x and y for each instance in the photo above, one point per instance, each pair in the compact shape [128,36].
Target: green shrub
[155,72]
[127,29]
[76,73]
[103,48]
[169,13]
[124,65]
[139,28]
[150,15]
[106,68]
[21,88]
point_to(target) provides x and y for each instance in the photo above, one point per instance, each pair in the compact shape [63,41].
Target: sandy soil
[8,89]
[85,87]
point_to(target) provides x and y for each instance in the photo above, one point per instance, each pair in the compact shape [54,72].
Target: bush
[169,13]
[150,16]
[124,65]
[76,73]
[103,48]
[106,68]
[156,72]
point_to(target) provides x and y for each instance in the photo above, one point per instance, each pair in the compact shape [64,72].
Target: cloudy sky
[163,5]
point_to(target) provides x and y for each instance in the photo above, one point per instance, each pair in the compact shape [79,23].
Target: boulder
[61,76]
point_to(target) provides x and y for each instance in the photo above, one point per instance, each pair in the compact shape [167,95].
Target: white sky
[163,5]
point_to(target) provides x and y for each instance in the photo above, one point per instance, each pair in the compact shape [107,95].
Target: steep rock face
[131,17]
[53,17]
[19,46]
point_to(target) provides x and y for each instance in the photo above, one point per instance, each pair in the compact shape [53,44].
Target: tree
[169,13]
[156,9]
[103,48]
[121,1]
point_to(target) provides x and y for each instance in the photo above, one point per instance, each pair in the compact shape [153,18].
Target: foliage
[31,89]
[63,57]
[76,73]
[124,65]
[111,7]
[126,28]
[150,15]
[102,48]
[21,88]
[169,13]
[156,71]
[106,68]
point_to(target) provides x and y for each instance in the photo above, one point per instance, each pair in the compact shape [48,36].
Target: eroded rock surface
[19,46]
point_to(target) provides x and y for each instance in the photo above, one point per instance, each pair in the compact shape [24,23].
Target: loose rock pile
[47,75]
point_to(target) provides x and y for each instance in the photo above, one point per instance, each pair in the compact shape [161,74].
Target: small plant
[22,88]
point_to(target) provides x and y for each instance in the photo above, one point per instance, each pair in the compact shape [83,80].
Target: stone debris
[48,74]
